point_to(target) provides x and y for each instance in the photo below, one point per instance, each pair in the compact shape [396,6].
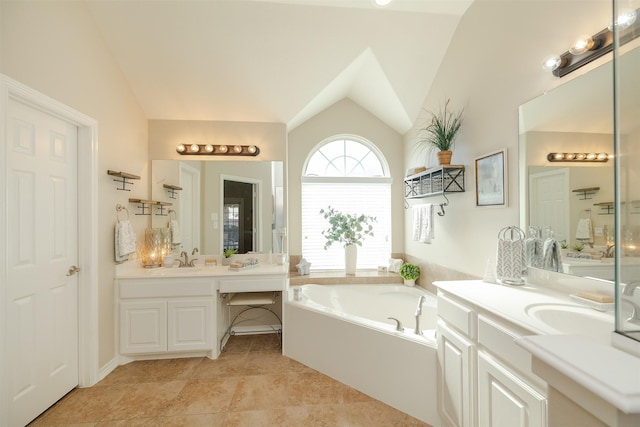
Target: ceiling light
[578,157]
[625,19]
[217,150]
[382,2]
[552,63]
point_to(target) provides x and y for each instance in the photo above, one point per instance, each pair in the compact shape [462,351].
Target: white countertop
[132,270]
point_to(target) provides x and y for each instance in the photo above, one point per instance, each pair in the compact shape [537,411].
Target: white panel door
[504,400]
[41,293]
[190,324]
[549,202]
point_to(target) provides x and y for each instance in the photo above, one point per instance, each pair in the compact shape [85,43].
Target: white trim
[87,228]
[108,367]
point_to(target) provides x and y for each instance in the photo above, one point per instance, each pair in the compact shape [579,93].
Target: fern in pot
[410,273]
[440,132]
[349,230]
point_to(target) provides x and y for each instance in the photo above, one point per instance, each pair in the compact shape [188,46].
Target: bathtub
[343,332]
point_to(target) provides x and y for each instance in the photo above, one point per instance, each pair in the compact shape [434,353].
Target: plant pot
[409,282]
[350,259]
[444,157]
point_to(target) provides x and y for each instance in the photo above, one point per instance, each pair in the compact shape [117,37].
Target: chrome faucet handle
[195,251]
[399,326]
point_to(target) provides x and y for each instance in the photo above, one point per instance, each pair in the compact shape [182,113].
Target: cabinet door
[143,327]
[190,324]
[456,365]
[504,400]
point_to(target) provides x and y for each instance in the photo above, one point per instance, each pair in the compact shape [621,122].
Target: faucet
[417,330]
[628,291]
[194,251]
[610,252]
[399,326]
[186,262]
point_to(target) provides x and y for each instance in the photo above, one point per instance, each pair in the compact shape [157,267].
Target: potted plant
[228,253]
[410,273]
[440,132]
[349,230]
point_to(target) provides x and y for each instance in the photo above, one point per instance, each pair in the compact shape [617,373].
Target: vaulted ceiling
[278,60]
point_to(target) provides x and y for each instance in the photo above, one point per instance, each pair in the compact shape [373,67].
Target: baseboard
[107,369]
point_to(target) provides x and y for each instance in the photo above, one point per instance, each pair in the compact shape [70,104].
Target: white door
[549,202]
[41,303]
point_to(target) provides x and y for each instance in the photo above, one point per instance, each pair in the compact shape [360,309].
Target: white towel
[125,240]
[552,259]
[510,261]
[584,230]
[426,225]
[417,222]
[176,238]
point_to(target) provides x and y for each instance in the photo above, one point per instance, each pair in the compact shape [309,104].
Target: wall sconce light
[217,150]
[578,157]
[589,48]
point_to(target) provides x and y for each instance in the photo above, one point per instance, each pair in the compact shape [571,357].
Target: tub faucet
[399,326]
[628,291]
[418,331]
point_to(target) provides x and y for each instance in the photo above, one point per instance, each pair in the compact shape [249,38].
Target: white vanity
[511,356]
[181,312]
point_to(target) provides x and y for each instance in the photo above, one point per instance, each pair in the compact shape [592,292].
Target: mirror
[207,215]
[577,117]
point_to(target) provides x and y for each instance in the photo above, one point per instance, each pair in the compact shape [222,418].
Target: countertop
[132,270]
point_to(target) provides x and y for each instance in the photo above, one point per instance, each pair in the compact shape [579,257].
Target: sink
[573,319]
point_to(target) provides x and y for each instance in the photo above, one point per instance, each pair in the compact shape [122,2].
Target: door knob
[73,270]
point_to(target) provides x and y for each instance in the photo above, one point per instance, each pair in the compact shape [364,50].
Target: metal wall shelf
[435,182]
[145,206]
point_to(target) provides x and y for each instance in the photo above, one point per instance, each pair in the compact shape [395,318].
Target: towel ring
[120,208]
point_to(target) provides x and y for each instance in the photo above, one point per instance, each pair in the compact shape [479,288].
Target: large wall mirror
[221,205]
[577,117]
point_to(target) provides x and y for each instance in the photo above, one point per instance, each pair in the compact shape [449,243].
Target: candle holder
[156,245]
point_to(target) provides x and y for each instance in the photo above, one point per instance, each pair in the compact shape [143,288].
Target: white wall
[493,65]
[55,48]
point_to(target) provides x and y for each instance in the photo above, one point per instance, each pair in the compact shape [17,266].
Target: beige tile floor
[250,384]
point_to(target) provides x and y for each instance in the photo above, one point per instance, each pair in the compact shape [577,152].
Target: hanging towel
[423,223]
[125,240]
[552,259]
[533,248]
[584,230]
[174,227]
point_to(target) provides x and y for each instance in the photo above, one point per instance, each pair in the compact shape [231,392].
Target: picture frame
[491,179]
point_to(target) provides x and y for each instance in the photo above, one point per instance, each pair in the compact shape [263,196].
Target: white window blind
[369,197]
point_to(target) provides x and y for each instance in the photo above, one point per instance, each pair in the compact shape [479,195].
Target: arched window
[351,175]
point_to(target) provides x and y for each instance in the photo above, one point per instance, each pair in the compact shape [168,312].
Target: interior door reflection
[239,216]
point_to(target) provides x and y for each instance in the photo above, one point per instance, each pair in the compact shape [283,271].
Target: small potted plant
[228,253]
[440,132]
[349,230]
[410,273]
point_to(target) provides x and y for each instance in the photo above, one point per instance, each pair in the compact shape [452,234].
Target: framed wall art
[491,179]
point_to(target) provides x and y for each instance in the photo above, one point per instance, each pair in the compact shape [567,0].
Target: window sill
[338,277]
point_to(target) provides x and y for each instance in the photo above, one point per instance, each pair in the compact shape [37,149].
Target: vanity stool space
[180,312]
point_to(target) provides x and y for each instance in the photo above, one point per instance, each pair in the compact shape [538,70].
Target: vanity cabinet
[485,378]
[166,316]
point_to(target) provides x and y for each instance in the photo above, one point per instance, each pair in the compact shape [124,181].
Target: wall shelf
[606,208]
[434,182]
[146,206]
[172,190]
[123,178]
[585,192]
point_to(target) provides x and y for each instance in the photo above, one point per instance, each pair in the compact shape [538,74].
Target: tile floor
[250,384]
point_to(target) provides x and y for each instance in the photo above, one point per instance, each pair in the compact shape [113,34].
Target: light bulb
[208,148]
[558,156]
[591,156]
[580,156]
[382,2]
[237,149]
[602,156]
[582,45]
[251,149]
[194,148]
[223,148]
[570,156]
[625,19]
[551,63]
[180,148]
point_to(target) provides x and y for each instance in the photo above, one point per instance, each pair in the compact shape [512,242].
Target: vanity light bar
[217,150]
[578,157]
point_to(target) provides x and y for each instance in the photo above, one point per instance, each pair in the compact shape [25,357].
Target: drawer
[458,315]
[499,340]
[166,287]
[254,284]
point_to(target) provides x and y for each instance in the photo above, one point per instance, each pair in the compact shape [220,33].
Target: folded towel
[125,240]
[176,238]
[584,230]
[552,259]
[533,252]
[510,261]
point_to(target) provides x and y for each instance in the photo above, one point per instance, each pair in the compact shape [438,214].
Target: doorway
[549,202]
[48,274]
[239,215]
